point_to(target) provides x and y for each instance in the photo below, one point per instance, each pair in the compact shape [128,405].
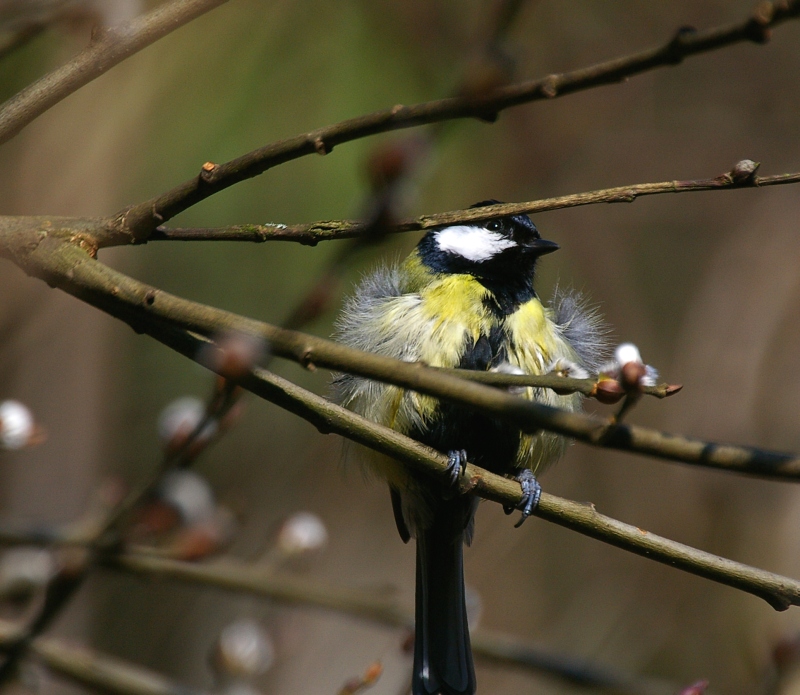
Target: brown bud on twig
[631,375]
[233,354]
[608,391]
[786,653]
[207,171]
[387,163]
[369,678]
[744,171]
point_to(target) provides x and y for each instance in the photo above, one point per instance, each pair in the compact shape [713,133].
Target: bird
[464,298]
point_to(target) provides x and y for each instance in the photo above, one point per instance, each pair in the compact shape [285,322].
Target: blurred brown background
[704,283]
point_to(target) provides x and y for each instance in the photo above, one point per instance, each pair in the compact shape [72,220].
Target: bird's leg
[456,466]
[531,492]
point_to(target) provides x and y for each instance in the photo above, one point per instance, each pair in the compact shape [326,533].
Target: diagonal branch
[138,221]
[743,175]
[111,47]
[780,592]
[169,319]
[46,254]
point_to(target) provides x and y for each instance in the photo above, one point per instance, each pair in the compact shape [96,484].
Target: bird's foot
[456,466]
[531,493]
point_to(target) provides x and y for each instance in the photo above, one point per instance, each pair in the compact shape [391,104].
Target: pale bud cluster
[303,532]
[25,570]
[189,494]
[628,367]
[183,517]
[243,651]
[17,426]
[181,418]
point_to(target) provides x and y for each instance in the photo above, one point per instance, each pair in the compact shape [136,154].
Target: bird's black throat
[508,276]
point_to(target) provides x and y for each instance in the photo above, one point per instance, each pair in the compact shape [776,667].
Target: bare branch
[741,176]
[109,48]
[780,592]
[48,255]
[160,314]
[138,221]
[381,608]
[104,673]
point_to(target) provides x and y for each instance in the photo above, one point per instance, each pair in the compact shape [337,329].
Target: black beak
[540,247]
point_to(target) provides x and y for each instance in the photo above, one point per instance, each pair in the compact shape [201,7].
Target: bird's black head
[500,253]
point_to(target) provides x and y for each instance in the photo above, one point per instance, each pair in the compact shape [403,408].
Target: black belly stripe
[489,443]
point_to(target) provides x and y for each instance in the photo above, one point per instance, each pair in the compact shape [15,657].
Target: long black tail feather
[442,651]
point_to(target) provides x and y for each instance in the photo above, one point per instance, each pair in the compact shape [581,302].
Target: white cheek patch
[473,243]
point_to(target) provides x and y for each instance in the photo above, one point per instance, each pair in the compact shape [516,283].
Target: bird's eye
[494,226]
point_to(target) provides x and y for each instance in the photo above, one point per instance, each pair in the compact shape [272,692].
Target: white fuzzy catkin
[17,426]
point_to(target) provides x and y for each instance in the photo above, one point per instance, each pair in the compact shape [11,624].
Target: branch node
[207,172]
[87,244]
[306,357]
[675,49]
[549,86]
[319,145]
[758,29]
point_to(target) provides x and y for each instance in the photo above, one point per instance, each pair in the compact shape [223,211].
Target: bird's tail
[442,652]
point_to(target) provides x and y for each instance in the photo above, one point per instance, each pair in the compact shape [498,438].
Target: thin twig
[325,230]
[138,221]
[93,669]
[109,48]
[147,309]
[381,608]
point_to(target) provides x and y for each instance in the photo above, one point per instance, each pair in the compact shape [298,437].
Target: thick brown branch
[314,232]
[138,221]
[164,316]
[108,49]
[149,310]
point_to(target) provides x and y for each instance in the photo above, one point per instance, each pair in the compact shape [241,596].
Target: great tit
[463,298]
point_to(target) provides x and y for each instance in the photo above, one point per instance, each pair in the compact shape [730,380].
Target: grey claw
[531,494]
[456,465]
